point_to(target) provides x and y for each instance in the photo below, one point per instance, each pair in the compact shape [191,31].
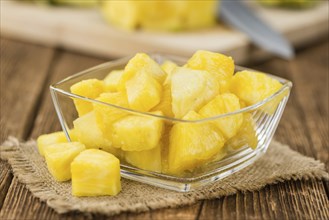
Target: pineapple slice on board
[95,173]
[192,144]
[59,157]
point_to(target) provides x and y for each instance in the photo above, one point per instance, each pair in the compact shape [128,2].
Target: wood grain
[67,28]
[304,127]
[24,69]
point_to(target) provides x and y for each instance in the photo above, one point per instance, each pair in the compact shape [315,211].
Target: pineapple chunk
[200,14]
[54,138]
[95,173]
[191,89]
[141,62]
[137,133]
[106,115]
[252,87]
[146,159]
[59,157]
[124,14]
[111,81]
[219,65]
[91,135]
[245,136]
[143,92]
[160,15]
[222,104]
[165,103]
[168,66]
[192,144]
[90,88]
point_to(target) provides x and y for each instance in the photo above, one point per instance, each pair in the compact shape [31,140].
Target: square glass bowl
[236,154]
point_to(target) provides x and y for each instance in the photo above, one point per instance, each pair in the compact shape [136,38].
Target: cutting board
[84,30]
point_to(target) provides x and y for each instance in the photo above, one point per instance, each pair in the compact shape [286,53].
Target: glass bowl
[236,154]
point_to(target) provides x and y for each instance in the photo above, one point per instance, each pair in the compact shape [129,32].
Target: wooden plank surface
[66,27]
[304,127]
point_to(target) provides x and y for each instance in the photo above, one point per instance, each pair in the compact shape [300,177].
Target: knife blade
[239,16]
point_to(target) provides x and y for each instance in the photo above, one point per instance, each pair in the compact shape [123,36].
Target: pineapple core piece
[54,138]
[111,81]
[95,173]
[252,87]
[106,115]
[245,136]
[90,88]
[191,89]
[90,134]
[137,133]
[146,159]
[59,157]
[222,104]
[219,65]
[192,144]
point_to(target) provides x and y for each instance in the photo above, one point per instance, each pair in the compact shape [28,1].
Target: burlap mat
[278,164]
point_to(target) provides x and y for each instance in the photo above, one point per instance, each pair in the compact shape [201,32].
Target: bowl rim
[286,86]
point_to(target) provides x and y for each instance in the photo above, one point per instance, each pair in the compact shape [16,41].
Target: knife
[236,14]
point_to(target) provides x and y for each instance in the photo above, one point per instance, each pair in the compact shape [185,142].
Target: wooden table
[27,111]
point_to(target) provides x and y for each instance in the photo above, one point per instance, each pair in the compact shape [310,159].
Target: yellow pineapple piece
[59,157]
[252,87]
[246,135]
[141,62]
[95,173]
[160,15]
[54,138]
[200,14]
[90,88]
[124,14]
[106,115]
[271,106]
[219,65]
[192,144]
[137,133]
[143,92]
[165,140]
[191,89]
[146,159]
[165,105]
[221,104]
[168,66]
[91,135]
[165,102]
[111,81]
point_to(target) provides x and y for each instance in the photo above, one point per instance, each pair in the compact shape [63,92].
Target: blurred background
[247,30]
